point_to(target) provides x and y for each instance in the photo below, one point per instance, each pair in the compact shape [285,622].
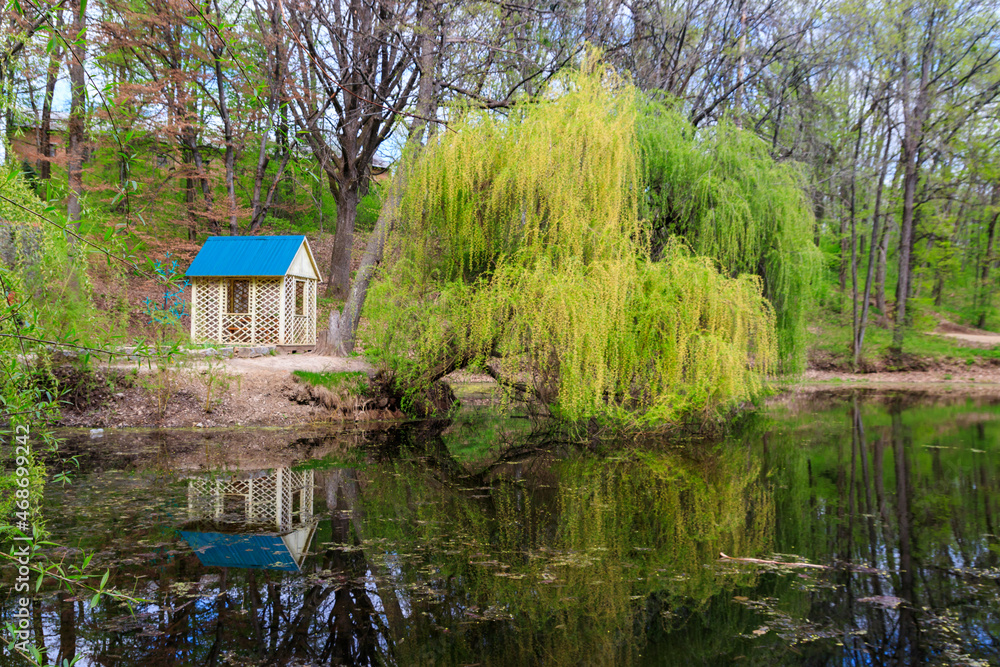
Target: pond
[855,531]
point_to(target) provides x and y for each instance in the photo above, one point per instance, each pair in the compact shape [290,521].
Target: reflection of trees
[67,629]
[571,557]
[908,498]
[579,573]
[351,630]
[557,559]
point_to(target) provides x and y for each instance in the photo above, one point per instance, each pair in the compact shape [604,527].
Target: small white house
[254,290]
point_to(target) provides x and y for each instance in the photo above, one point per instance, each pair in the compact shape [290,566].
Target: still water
[856,531]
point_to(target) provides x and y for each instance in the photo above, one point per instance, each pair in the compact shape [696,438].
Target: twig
[110,353]
[761,561]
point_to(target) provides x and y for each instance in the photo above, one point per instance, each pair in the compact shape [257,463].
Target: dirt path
[959,380]
[284,364]
[979,340]
[973,336]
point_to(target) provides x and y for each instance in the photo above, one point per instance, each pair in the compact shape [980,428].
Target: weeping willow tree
[521,250]
[720,190]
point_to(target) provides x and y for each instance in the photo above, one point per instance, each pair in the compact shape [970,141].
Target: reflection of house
[260,520]
[254,290]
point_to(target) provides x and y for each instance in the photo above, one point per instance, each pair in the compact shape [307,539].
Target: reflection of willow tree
[571,575]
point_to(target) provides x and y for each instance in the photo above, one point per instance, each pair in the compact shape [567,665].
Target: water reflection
[911,495]
[261,519]
[405,555]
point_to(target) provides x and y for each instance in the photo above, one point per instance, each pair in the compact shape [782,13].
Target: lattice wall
[267,310]
[311,312]
[300,329]
[237,329]
[206,307]
[253,497]
[266,300]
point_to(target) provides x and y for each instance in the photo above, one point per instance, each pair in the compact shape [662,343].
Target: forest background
[142,127]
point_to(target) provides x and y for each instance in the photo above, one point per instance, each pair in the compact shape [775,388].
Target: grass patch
[356,382]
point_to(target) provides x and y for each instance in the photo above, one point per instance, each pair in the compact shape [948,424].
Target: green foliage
[356,382]
[53,269]
[720,190]
[521,240]
[831,339]
[368,210]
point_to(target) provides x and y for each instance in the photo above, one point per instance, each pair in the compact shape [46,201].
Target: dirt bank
[940,382]
[931,374]
[263,391]
[224,392]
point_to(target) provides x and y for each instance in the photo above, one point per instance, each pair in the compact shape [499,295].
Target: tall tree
[948,64]
[76,128]
[354,78]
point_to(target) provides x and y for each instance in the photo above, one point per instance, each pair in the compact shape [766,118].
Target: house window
[238,298]
[300,297]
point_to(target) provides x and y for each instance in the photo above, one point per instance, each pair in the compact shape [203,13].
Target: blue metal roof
[258,552]
[245,256]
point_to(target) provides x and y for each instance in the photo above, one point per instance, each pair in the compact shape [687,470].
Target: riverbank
[204,393]
[263,391]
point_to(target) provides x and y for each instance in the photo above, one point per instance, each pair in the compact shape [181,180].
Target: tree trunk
[880,266]
[911,175]
[874,248]
[984,277]
[77,53]
[45,133]
[191,140]
[263,158]
[855,328]
[913,129]
[819,210]
[845,247]
[261,208]
[343,325]
[227,126]
[189,199]
[741,49]
[340,259]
